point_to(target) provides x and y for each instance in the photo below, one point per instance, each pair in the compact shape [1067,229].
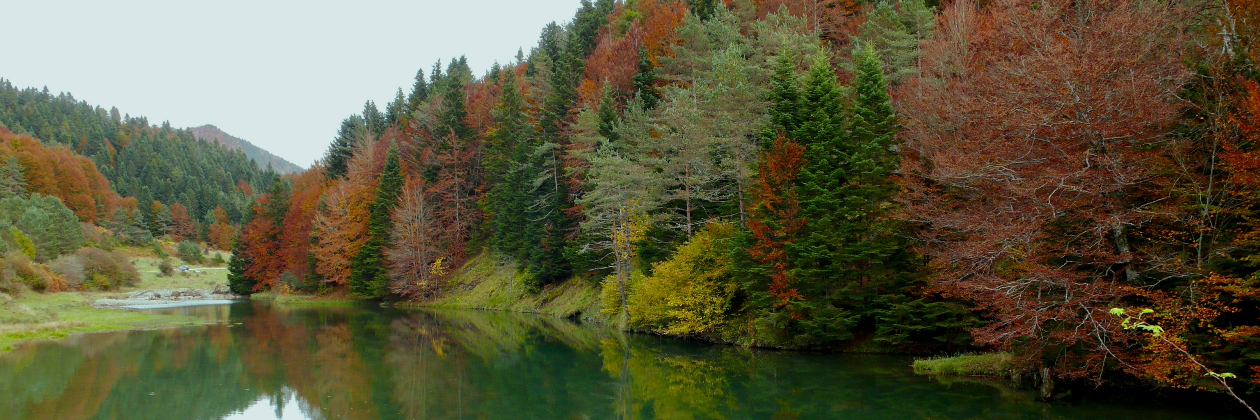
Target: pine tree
[342,147]
[238,282]
[607,112]
[454,109]
[419,92]
[373,119]
[645,80]
[12,181]
[510,173]
[785,96]
[820,256]
[397,109]
[895,36]
[369,276]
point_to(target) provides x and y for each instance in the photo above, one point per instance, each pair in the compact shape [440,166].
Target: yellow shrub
[691,292]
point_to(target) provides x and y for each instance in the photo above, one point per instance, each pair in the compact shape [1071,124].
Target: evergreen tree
[645,80]
[12,181]
[454,110]
[419,92]
[397,109]
[342,147]
[895,36]
[238,282]
[785,96]
[373,119]
[607,112]
[369,277]
[510,174]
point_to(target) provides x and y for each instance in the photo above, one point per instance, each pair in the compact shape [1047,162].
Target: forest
[1076,183]
[152,163]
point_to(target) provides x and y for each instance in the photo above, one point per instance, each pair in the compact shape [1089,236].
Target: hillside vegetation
[906,176]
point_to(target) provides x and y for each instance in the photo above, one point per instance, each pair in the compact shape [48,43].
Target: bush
[107,269]
[165,268]
[159,251]
[20,269]
[70,268]
[691,292]
[218,259]
[189,252]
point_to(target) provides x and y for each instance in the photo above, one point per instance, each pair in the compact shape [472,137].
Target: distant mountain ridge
[209,132]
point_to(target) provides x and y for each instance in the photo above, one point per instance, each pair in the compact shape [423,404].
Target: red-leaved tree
[1026,135]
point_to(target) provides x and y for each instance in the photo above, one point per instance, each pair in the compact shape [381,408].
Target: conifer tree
[369,277]
[607,113]
[510,174]
[895,36]
[645,80]
[820,256]
[373,119]
[12,181]
[419,92]
[397,109]
[238,282]
[342,147]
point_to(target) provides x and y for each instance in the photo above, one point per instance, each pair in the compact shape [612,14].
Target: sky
[280,74]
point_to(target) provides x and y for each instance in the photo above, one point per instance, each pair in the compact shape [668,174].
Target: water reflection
[370,363]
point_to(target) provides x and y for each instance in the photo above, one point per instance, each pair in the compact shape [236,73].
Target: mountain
[211,133]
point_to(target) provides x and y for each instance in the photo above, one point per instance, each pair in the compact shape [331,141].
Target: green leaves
[1136,323]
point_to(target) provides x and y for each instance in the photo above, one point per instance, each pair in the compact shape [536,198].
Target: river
[275,362]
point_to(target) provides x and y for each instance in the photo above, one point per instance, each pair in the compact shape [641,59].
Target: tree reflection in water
[373,363]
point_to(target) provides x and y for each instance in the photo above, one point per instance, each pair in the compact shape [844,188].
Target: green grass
[33,316]
[45,316]
[486,283]
[151,278]
[988,364]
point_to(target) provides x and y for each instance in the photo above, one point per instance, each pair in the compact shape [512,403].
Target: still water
[268,362]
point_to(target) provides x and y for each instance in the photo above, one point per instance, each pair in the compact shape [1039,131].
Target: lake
[279,362]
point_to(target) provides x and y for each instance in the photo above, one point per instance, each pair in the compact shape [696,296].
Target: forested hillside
[148,162]
[264,158]
[901,176]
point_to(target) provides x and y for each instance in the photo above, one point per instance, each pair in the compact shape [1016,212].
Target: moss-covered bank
[485,282]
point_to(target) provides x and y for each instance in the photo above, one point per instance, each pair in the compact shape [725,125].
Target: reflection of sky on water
[265,409]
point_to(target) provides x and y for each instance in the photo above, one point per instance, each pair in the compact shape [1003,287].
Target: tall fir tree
[419,92]
[645,80]
[369,276]
[510,173]
[342,148]
[238,282]
[820,255]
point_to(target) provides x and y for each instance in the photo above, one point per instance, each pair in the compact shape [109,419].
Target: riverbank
[35,316]
[486,283]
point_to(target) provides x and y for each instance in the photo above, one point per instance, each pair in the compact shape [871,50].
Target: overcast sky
[280,74]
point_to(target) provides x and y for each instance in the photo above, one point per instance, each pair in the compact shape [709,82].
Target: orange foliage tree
[59,172]
[775,216]
[221,233]
[339,225]
[183,227]
[295,239]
